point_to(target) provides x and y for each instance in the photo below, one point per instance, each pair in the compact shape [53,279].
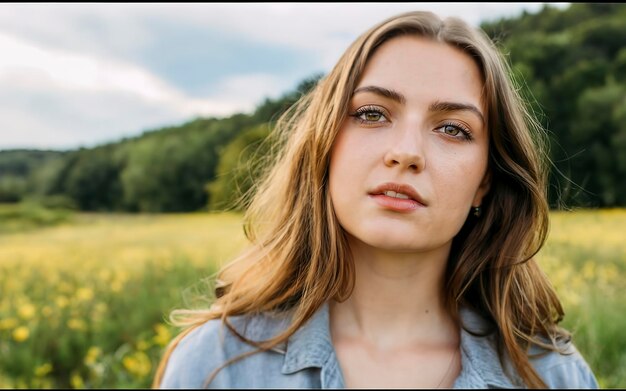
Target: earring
[477,211]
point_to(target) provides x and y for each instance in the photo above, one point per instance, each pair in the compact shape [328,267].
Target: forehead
[424,69]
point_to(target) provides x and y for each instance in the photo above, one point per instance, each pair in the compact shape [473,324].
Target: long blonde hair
[299,257]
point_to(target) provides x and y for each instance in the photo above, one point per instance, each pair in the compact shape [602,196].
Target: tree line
[570,65]
[194,166]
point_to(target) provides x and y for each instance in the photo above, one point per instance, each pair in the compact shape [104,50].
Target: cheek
[346,157]
[337,168]
[459,177]
[347,173]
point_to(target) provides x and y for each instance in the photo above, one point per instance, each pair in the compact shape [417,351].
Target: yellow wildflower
[26,311]
[76,324]
[43,370]
[8,323]
[84,294]
[143,345]
[137,364]
[61,301]
[76,381]
[163,335]
[92,355]
[21,334]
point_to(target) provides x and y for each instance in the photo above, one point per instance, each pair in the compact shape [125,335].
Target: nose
[406,151]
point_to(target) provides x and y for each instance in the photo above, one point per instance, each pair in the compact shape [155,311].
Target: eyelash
[467,134]
[368,109]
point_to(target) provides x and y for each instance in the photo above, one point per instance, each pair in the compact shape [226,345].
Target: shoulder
[563,370]
[483,367]
[194,358]
[210,345]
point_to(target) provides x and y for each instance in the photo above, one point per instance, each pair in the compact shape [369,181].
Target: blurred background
[128,131]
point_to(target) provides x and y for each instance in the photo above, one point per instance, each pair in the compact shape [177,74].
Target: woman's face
[411,157]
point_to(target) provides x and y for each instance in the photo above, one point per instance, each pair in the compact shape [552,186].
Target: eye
[451,130]
[455,130]
[370,115]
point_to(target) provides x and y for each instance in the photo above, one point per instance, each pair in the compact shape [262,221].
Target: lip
[415,199]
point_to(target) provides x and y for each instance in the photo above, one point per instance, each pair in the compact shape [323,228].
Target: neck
[397,299]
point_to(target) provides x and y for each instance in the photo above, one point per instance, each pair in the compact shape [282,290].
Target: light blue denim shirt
[308,359]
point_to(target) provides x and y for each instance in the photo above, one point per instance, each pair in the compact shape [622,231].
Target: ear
[483,189]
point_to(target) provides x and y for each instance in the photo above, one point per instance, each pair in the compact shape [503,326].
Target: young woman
[392,241]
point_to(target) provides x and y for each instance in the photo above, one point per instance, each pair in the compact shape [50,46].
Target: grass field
[83,303]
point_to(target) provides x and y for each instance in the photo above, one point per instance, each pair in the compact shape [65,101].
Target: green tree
[93,181]
[594,134]
[12,188]
[167,172]
[241,164]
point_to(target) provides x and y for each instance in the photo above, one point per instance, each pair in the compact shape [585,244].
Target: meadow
[84,299]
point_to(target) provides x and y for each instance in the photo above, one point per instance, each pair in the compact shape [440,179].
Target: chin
[394,243]
[400,247]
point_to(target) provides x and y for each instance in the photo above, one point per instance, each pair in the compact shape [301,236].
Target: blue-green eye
[451,130]
[455,130]
[370,115]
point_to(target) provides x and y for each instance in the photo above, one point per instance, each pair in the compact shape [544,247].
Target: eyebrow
[437,106]
[455,106]
[384,92]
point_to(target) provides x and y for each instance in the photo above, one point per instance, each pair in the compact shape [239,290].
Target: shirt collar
[481,366]
[311,346]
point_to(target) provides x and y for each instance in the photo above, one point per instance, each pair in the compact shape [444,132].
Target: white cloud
[53,118]
[103,29]
[53,98]
[64,70]
[20,128]
[32,71]
[254,87]
[325,29]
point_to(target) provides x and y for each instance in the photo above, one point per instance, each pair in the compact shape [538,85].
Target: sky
[83,74]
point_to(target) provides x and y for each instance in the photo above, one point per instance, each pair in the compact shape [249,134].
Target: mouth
[400,192]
